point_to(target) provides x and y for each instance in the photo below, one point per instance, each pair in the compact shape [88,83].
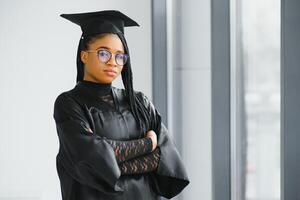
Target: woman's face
[97,71]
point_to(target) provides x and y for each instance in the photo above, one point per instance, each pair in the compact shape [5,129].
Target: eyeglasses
[105,55]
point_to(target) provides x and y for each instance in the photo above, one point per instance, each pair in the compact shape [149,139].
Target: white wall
[190,70]
[38,54]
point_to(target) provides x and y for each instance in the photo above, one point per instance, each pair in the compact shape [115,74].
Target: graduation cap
[93,23]
[105,21]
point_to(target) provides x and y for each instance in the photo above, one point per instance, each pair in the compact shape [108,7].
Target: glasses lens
[121,58]
[104,55]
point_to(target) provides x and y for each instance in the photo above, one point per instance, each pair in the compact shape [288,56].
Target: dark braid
[137,107]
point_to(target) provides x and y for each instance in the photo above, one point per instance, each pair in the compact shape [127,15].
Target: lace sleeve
[128,149]
[125,150]
[142,164]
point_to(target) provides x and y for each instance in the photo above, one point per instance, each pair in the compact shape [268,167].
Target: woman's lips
[110,72]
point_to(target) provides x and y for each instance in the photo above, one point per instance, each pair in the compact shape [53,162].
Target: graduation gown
[86,163]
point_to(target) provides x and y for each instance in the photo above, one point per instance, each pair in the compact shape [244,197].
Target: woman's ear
[83,56]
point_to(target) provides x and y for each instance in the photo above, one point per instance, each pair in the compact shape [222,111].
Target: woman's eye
[120,56]
[103,53]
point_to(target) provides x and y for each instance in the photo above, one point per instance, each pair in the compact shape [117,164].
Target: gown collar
[98,89]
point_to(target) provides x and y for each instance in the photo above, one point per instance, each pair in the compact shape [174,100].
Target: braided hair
[138,109]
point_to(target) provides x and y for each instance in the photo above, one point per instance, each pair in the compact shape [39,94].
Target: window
[255,99]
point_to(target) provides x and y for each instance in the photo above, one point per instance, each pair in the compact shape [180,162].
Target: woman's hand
[153,137]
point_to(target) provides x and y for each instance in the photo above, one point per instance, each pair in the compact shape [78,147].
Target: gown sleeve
[128,149]
[141,164]
[171,177]
[87,157]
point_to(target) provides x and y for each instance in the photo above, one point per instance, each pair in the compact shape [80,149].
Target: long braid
[137,107]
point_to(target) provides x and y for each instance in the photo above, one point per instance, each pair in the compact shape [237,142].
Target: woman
[113,144]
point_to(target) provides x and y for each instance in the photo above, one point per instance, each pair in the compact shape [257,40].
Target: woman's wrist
[152,135]
[152,143]
[149,143]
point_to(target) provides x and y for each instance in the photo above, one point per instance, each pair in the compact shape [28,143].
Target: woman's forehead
[109,41]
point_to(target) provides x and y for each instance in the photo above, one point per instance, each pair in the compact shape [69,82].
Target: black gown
[86,163]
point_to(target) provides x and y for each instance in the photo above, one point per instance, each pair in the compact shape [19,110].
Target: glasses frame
[110,55]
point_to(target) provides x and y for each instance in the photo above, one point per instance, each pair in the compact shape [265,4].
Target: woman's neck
[96,87]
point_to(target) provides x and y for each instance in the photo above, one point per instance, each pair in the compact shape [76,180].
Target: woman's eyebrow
[104,47]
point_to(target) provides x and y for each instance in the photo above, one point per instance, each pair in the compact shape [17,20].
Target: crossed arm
[136,156]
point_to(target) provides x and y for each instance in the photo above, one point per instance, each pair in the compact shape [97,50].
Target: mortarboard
[101,22]
[92,23]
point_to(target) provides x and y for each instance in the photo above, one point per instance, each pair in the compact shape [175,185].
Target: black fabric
[171,176]
[86,163]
